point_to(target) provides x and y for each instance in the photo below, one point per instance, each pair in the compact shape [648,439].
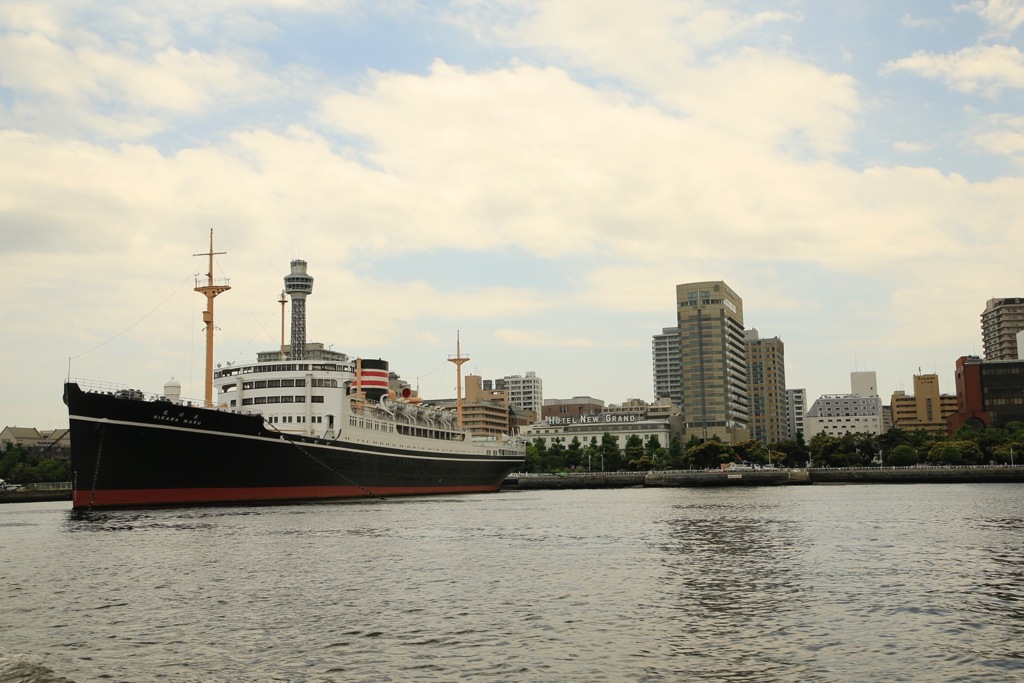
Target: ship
[301,423]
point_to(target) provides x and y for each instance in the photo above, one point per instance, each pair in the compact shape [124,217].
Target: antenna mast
[458,359]
[282,301]
[210,290]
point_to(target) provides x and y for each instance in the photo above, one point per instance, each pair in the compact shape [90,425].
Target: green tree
[1009,454]
[827,451]
[789,453]
[574,454]
[554,461]
[675,453]
[955,453]
[710,455]
[592,453]
[534,456]
[901,456]
[751,450]
[18,465]
[634,447]
[610,455]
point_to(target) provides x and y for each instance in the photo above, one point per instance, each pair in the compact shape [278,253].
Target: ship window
[260,384]
[246,401]
[273,383]
[300,382]
[287,382]
[316,399]
[300,399]
[260,399]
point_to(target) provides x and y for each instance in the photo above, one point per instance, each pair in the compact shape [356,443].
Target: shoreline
[773,477]
[699,479]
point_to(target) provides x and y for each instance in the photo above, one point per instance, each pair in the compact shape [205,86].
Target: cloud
[535,338]
[1006,15]
[917,22]
[1002,134]
[912,147]
[565,189]
[984,69]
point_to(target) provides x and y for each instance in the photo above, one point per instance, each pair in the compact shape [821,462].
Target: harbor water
[814,583]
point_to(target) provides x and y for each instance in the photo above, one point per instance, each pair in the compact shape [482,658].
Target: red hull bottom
[105,498]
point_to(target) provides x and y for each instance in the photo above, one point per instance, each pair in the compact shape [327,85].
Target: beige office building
[766,368]
[713,363]
[926,409]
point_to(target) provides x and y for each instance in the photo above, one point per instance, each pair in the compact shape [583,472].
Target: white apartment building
[857,412]
[837,414]
[665,362]
[525,393]
[796,404]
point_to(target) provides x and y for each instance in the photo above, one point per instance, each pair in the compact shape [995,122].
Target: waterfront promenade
[769,477]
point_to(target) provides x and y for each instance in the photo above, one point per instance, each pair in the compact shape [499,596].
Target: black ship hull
[135,453]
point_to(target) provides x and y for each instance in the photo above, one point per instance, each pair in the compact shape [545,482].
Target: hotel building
[712,361]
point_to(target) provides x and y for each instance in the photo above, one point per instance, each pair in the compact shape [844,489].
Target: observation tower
[298,285]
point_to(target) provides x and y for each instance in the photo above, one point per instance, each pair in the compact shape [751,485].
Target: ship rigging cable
[188,277]
[318,461]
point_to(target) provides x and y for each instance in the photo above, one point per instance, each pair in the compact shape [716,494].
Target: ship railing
[98,386]
[119,389]
[47,486]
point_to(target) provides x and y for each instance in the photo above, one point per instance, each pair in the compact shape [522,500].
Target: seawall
[774,477]
[918,475]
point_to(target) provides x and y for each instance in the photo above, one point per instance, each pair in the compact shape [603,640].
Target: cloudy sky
[535,174]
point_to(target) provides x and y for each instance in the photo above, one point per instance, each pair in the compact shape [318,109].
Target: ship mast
[282,301]
[458,359]
[211,289]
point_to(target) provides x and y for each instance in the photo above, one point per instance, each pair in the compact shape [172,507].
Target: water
[817,583]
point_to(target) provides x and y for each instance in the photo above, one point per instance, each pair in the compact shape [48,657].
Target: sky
[534,176]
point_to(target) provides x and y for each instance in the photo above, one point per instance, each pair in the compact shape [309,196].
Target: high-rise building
[1001,320]
[525,393]
[665,362]
[796,402]
[766,372]
[712,361]
[927,409]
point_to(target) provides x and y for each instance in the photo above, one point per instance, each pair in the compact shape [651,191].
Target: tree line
[19,465]
[895,448]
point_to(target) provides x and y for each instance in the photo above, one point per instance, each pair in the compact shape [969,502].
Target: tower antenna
[282,301]
[210,290]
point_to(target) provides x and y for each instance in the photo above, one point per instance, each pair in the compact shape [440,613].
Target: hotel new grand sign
[592,419]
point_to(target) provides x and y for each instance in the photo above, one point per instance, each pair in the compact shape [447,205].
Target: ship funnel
[298,285]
